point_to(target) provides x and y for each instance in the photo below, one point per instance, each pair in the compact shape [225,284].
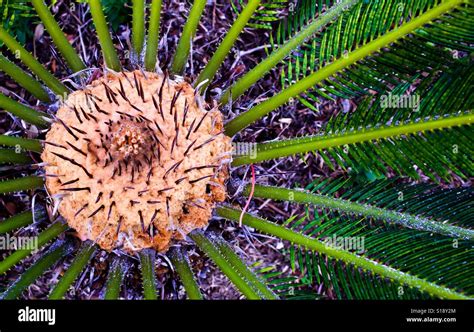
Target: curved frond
[58,37]
[23,112]
[433,257]
[147,264]
[433,47]
[153,36]
[117,271]
[110,55]
[9,156]
[29,60]
[335,67]
[22,78]
[180,262]
[82,258]
[48,259]
[335,252]
[231,266]
[16,221]
[367,211]
[189,30]
[269,12]
[138,25]
[44,237]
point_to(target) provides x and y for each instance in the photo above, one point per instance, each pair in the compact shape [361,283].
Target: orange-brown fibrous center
[136,162]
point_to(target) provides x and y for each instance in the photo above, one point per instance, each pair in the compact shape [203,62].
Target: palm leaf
[388,43]
[270,11]
[424,283]
[436,136]
[428,49]
[433,257]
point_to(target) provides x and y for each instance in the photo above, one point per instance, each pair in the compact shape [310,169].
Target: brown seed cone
[137,162]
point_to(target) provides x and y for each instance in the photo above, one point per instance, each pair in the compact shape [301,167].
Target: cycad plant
[137,159]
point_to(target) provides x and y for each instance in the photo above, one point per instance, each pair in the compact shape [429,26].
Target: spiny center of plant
[135,161]
[130,139]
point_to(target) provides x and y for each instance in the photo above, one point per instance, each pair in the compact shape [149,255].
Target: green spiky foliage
[269,13]
[396,225]
[15,14]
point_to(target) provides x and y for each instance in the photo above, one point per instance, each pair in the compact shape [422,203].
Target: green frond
[225,46]
[269,12]
[20,220]
[256,73]
[287,287]
[431,257]
[235,260]
[444,142]
[365,210]
[46,260]
[335,67]
[9,156]
[138,25]
[232,271]
[22,78]
[44,237]
[23,112]
[189,30]
[29,60]
[180,261]
[340,254]
[108,50]
[117,270]
[63,45]
[82,258]
[147,265]
[435,146]
[422,51]
[153,36]
[20,184]
[23,143]
[15,15]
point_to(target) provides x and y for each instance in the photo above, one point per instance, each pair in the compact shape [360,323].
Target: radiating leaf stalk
[20,220]
[222,51]
[147,265]
[9,156]
[340,254]
[22,78]
[278,55]
[23,112]
[82,258]
[63,45]
[189,30]
[37,68]
[153,35]
[28,277]
[19,142]
[245,119]
[181,264]
[44,237]
[283,148]
[239,265]
[114,279]
[105,41]
[138,25]
[210,249]
[20,184]
[347,206]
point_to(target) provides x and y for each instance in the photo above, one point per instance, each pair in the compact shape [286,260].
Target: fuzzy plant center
[135,161]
